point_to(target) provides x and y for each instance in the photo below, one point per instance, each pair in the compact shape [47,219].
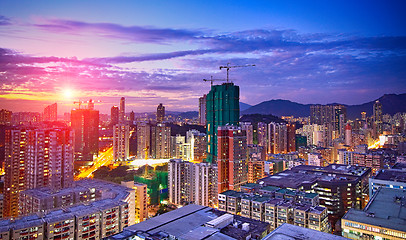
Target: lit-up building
[85,123]
[160,113]
[5,116]
[160,141]
[192,183]
[143,140]
[121,142]
[36,158]
[377,117]
[383,218]
[231,158]
[121,115]
[202,110]
[114,115]
[50,112]
[340,187]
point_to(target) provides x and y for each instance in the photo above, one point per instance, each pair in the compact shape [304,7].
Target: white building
[121,142]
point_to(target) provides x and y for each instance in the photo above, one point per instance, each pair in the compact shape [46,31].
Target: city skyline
[155,53]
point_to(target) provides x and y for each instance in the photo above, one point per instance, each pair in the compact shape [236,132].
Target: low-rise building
[289,231]
[281,206]
[195,222]
[387,178]
[383,218]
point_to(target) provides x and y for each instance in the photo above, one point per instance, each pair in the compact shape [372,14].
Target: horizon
[151,53]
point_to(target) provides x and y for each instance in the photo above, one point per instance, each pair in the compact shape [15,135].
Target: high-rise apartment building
[192,183]
[14,179]
[333,117]
[50,112]
[278,138]
[121,142]
[114,116]
[85,123]
[202,110]
[141,200]
[143,140]
[160,141]
[198,145]
[378,118]
[5,116]
[121,116]
[291,137]
[262,133]
[222,107]
[160,113]
[36,158]
[249,130]
[231,158]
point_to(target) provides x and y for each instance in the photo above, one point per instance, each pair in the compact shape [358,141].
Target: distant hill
[255,118]
[391,104]
[279,108]
[244,106]
[190,114]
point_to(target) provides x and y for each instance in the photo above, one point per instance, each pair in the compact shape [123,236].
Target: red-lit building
[85,123]
[231,158]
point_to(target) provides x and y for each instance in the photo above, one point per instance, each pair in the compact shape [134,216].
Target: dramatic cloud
[310,68]
[133,33]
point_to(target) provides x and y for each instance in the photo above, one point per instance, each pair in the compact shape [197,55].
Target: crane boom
[211,80]
[228,68]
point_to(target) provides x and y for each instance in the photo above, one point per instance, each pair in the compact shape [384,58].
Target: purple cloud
[4,20]
[110,30]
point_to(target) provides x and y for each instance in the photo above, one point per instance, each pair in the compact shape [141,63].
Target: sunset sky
[153,52]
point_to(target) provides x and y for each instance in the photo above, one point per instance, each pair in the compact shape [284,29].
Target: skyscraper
[202,110]
[231,158]
[160,113]
[85,123]
[132,116]
[121,117]
[378,121]
[222,107]
[5,116]
[114,115]
[50,112]
[121,140]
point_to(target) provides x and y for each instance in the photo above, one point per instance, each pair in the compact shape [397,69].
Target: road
[104,159]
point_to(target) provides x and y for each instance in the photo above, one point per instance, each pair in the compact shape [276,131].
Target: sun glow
[68,93]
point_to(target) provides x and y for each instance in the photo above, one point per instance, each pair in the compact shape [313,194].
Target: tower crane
[211,80]
[228,67]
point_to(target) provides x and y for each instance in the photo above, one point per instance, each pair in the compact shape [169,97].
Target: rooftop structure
[340,187]
[196,222]
[388,178]
[384,217]
[290,232]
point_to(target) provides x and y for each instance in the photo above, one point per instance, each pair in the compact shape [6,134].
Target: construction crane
[211,80]
[90,103]
[228,67]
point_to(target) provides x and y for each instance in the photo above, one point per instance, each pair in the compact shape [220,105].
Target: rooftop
[391,175]
[387,208]
[187,223]
[305,176]
[291,232]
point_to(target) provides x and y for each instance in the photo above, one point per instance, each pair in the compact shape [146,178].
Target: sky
[153,52]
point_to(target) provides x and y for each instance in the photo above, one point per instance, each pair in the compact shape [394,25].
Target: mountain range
[391,104]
